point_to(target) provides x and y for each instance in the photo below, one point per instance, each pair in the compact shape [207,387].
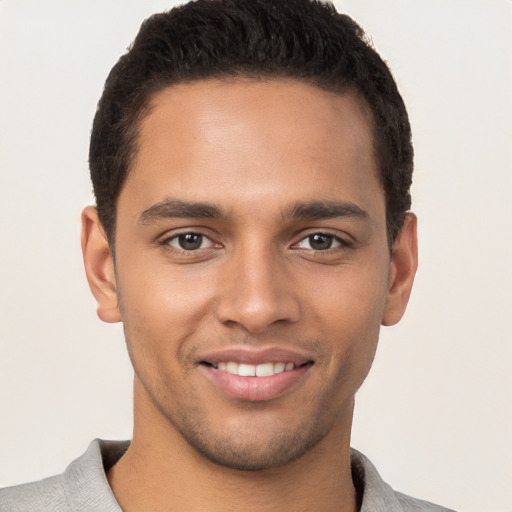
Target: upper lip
[254,356]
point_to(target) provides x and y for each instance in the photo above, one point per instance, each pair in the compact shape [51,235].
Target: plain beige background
[435,415]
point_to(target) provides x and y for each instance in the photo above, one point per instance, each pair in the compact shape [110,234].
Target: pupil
[190,241]
[320,242]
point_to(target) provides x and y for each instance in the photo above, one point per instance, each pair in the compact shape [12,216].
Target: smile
[255,375]
[252,370]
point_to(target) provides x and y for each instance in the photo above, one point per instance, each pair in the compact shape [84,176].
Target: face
[252,267]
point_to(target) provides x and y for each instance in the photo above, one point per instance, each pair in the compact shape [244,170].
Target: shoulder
[82,487]
[410,504]
[377,496]
[47,494]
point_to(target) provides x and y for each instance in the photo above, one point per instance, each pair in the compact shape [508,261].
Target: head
[251,161]
[304,40]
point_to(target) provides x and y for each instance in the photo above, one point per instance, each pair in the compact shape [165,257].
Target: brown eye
[319,242]
[189,241]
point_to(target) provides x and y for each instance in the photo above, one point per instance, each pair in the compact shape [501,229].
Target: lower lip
[255,388]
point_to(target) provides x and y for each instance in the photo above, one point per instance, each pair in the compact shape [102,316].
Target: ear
[99,266]
[404,262]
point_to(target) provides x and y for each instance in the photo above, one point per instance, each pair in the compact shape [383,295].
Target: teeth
[265,370]
[279,367]
[252,370]
[232,368]
[246,370]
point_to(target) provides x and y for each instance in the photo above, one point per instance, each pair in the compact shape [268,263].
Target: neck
[161,471]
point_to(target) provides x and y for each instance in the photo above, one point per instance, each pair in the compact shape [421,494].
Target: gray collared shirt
[83,487]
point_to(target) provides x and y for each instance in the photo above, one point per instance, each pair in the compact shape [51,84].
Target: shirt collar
[87,486]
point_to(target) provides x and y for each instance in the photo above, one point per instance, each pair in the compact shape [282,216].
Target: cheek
[161,293]
[348,313]
[160,309]
[353,296]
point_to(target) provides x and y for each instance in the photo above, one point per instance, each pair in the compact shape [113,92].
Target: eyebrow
[312,210]
[172,208]
[318,210]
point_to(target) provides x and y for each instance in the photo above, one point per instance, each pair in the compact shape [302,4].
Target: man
[251,162]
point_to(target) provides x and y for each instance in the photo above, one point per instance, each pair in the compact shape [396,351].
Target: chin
[253,446]
[253,455]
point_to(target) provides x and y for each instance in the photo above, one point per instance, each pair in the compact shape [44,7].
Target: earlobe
[99,266]
[404,262]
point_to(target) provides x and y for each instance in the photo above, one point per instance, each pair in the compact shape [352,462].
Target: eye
[189,242]
[320,242]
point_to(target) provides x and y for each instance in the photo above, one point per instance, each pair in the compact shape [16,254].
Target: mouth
[267,369]
[250,375]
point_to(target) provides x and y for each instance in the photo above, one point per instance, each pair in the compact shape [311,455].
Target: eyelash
[343,244]
[166,243]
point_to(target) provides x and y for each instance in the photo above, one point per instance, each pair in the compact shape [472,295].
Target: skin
[257,151]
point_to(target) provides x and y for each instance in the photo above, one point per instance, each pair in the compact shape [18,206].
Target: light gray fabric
[378,496]
[83,487]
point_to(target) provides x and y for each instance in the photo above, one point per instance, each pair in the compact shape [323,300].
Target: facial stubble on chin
[242,450]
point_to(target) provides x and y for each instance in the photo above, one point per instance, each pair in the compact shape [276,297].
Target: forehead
[243,142]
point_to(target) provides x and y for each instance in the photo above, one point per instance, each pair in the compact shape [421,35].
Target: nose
[256,291]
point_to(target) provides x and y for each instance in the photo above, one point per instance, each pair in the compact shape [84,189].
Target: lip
[255,388]
[250,356]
